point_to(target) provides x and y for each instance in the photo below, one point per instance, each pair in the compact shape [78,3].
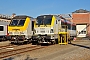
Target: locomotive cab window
[21,22]
[1,28]
[14,22]
[63,24]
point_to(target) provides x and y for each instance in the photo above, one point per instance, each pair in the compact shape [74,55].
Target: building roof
[81,11]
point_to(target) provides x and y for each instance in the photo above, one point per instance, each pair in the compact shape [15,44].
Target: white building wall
[81,30]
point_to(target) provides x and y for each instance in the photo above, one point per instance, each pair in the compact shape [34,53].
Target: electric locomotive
[20,29]
[46,28]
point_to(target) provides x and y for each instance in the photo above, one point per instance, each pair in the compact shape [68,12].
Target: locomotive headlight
[21,32]
[10,32]
[51,31]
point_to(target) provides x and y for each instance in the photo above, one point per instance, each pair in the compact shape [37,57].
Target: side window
[1,28]
[73,27]
[56,21]
[69,26]
[32,25]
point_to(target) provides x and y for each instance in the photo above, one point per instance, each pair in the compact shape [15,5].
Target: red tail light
[7,34]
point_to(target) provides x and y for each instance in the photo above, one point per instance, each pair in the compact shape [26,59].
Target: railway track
[11,47]
[19,51]
[7,46]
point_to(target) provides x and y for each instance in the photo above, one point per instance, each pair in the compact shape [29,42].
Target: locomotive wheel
[12,42]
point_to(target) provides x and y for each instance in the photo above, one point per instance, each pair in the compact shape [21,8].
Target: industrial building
[81,18]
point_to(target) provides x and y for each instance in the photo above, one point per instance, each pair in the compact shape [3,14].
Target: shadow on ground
[83,46]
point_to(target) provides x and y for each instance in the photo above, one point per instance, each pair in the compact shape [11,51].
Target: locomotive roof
[21,17]
[4,23]
[50,16]
[67,21]
[45,15]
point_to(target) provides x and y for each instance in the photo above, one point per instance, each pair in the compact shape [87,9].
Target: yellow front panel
[53,20]
[20,28]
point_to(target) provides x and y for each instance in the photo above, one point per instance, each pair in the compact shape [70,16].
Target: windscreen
[17,22]
[21,22]
[44,20]
[14,22]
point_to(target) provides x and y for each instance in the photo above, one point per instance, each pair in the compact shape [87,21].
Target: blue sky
[37,7]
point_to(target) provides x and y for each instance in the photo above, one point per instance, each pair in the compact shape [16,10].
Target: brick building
[82,19]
